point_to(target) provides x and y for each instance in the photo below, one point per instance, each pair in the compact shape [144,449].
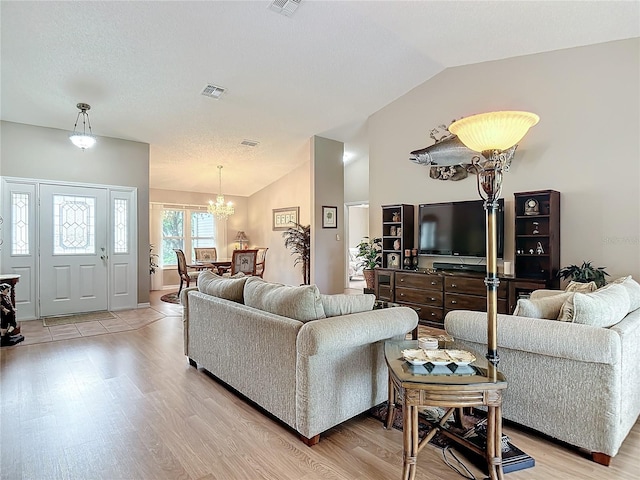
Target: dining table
[220,265]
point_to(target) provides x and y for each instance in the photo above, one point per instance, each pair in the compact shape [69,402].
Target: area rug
[512,457]
[172,297]
[379,412]
[79,318]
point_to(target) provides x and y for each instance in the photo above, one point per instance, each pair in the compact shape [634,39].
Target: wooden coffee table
[419,386]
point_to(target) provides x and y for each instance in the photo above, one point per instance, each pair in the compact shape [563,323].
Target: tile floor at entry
[35,332]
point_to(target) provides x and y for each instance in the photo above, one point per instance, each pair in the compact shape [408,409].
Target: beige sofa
[298,354]
[576,382]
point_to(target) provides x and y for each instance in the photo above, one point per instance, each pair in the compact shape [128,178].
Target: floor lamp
[492,134]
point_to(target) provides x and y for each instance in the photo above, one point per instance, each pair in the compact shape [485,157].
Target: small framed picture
[393,260]
[329,217]
[284,218]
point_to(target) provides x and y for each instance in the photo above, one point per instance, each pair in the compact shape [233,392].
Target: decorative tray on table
[439,362]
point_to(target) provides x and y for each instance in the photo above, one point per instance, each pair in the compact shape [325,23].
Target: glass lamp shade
[494,130]
[82,140]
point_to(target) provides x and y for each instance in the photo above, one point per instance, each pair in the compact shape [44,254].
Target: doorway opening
[357,229]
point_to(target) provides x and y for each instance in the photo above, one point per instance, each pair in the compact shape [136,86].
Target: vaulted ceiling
[142,66]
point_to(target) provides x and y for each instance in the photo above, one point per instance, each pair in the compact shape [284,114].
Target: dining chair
[185,275]
[244,261]
[206,254]
[261,260]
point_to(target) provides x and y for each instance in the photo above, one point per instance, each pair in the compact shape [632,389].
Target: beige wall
[328,245]
[292,190]
[46,153]
[586,145]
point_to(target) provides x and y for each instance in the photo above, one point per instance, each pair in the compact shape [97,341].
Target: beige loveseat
[298,354]
[576,382]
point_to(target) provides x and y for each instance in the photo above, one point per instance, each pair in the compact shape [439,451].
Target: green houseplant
[584,274]
[298,240]
[369,253]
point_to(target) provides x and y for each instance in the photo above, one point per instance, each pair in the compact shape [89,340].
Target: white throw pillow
[633,289]
[603,308]
[545,307]
[340,304]
[229,288]
[300,303]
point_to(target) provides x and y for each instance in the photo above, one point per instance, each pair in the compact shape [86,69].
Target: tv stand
[459,267]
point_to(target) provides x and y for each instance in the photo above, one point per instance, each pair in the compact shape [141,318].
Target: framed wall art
[284,218]
[329,217]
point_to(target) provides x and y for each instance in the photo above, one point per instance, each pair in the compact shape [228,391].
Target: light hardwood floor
[127,405]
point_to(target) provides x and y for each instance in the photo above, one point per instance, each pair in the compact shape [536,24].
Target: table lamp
[242,240]
[492,134]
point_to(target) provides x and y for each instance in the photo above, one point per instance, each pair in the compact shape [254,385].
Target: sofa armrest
[539,336]
[347,331]
[184,301]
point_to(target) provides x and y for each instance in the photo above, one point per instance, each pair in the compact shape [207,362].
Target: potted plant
[298,239]
[369,253]
[584,274]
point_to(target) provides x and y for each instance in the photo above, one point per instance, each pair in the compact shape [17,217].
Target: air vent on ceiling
[285,7]
[249,143]
[213,91]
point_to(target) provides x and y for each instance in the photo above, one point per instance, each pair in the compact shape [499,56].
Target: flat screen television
[457,229]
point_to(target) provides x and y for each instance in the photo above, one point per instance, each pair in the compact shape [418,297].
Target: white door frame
[122,283]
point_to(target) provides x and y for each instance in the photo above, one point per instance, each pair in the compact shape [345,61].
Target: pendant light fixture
[83,139]
[220,209]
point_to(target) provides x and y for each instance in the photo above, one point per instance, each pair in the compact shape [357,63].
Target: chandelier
[219,208]
[83,139]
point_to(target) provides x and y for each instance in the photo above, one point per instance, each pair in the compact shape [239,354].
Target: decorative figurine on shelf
[399,231]
[392,231]
[9,329]
[535,228]
[396,244]
[395,217]
[539,249]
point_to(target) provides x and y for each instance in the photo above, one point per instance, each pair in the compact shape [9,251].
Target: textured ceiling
[323,71]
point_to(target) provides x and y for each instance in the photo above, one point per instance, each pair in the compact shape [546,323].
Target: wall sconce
[83,139]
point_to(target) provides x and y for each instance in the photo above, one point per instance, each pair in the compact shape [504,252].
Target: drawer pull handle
[402,279]
[433,299]
[433,314]
[453,285]
[434,283]
[402,294]
[453,302]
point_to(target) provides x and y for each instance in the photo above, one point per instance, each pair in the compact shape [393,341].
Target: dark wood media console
[433,294]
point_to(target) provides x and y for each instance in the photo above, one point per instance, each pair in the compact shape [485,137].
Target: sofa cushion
[300,303]
[341,304]
[603,308]
[581,287]
[546,307]
[229,288]
[633,289]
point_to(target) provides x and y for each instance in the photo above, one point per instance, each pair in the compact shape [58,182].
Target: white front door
[73,249]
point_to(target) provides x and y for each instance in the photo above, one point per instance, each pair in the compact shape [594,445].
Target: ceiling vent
[249,143]
[285,7]
[213,91]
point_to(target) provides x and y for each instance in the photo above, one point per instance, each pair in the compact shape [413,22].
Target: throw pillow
[602,308]
[581,287]
[633,289]
[335,305]
[300,303]
[545,307]
[229,288]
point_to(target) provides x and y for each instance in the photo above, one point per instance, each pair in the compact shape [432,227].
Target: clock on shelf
[531,207]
